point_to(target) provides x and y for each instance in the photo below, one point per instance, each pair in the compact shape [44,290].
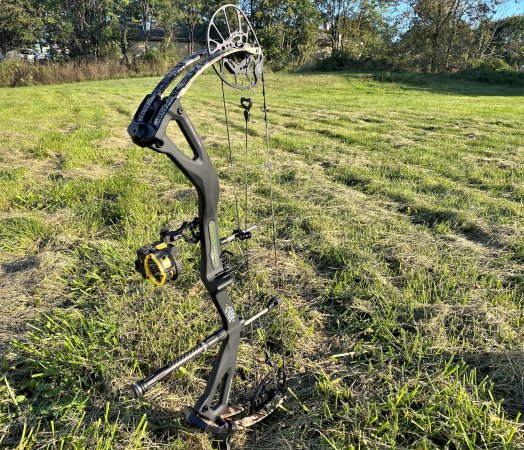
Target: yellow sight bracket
[157,263]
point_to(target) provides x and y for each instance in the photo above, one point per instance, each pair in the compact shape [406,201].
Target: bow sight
[157,261]
[235,54]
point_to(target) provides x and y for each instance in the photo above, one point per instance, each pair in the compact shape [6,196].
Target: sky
[508,8]
[511,8]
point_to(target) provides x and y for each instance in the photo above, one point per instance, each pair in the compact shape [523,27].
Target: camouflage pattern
[257,416]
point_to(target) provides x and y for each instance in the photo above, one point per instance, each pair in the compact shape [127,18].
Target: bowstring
[244,245]
[273,219]
[273,233]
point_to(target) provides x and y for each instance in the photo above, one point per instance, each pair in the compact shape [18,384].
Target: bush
[398,76]
[111,52]
[343,60]
[15,72]
[153,56]
[497,64]
[338,60]
[493,71]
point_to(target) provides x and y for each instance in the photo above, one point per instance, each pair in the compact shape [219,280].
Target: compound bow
[234,52]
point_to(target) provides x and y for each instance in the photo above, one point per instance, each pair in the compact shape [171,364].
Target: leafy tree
[335,16]
[441,32]
[508,40]
[115,40]
[191,15]
[20,24]
[365,34]
[91,21]
[288,30]
[169,17]
[85,27]
[350,22]
[147,9]
[57,27]
[121,30]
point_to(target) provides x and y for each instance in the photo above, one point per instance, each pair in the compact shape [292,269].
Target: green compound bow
[234,52]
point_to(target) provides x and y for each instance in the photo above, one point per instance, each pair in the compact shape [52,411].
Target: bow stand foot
[266,399]
[220,429]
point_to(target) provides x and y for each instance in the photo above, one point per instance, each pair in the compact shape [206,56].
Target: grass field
[400,221]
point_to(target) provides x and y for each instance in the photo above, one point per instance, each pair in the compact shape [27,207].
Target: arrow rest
[235,54]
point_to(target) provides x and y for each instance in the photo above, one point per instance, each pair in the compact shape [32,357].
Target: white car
[29,55]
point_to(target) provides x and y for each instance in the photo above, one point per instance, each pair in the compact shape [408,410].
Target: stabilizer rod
[142,386]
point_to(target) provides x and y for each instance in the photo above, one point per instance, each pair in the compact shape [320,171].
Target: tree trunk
[335,33]
[453,18]
[124,44]
[434,50]
[448,50]
[191,39]
[145,21]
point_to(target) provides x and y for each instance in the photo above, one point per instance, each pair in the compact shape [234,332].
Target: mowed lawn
[400,219]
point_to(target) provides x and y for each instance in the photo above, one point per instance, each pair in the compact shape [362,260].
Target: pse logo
[230,314]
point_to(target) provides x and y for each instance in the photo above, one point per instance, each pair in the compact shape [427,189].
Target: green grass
[400,224]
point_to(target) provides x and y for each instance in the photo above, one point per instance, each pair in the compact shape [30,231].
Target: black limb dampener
[235,54]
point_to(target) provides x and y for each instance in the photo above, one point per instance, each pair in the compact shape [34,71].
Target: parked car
[29,55]
[42,58]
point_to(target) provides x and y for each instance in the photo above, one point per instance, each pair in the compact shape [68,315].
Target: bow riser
[204,178]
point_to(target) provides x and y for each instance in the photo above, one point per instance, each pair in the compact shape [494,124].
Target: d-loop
[148,129]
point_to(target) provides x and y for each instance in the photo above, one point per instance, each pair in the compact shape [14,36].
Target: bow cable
[244,245]
[245,251]
[231,165]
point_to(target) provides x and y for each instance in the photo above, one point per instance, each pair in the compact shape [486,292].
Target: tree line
[425,35]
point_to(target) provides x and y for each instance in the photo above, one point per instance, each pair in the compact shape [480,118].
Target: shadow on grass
[448,84]
[504,370]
